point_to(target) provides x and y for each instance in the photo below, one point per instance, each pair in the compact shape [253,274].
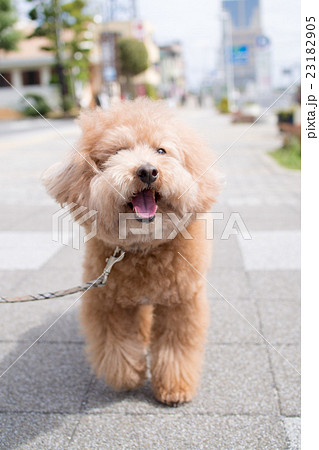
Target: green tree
[53,18]
[81,43]
[133,59]
[9,37]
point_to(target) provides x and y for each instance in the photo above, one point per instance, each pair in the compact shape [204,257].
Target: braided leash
[101,281]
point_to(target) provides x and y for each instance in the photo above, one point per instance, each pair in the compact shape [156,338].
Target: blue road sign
[240,55]
[109,73]
[262,41]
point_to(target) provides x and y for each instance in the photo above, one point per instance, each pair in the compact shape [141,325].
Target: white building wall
[9,98]
[16,77]
[45,76]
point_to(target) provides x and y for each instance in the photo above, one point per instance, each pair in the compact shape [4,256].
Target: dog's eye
[161,151]
[119,150]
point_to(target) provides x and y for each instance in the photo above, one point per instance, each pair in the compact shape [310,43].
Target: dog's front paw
[173,397]
[123,368]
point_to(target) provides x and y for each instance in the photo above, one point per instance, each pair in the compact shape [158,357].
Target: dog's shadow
[52,381]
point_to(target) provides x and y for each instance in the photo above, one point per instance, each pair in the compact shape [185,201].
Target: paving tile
[221,216]
[271,250]
[262,217]
[67,258]
[287,379]
[27,321]
[28,217]
[293,430]
[32,430]
[30,192]
[280,284]
[48,280]
[271,199]
[60,273]
[178,432]
[26,250]
[230,283]
[9,279]
[236,380]
[39,220]
[280,321]
[228,324]
[227,254]
[15,215]
[101,398]
[48,378]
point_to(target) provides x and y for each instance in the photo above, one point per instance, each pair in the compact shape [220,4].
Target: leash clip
[117,256]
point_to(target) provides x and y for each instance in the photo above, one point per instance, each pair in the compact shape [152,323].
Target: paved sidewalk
[249,394]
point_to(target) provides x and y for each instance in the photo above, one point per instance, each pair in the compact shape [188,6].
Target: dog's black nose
[147,173]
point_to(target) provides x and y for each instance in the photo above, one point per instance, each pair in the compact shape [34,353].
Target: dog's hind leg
[114,343]
[177,344]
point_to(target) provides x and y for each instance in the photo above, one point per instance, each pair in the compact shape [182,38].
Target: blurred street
[249,395]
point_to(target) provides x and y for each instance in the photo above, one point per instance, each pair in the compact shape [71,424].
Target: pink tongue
[144,204]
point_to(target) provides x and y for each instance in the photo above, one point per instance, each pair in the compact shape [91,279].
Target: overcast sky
[196,23]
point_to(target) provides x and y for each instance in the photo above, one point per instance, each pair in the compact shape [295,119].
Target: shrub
[151,91]
[133,57]
[285,116]
[223,106]
[39,104]
[289,155]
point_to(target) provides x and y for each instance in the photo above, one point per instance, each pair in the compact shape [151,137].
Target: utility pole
[112,11]
[228,62]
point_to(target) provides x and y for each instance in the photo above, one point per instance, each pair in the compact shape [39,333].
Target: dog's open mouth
[144,205]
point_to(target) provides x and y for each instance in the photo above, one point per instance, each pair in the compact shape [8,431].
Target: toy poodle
[137,161]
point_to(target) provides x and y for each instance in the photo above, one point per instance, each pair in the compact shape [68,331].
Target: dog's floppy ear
[69,181]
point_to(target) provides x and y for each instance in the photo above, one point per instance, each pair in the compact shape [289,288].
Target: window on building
[30,77]
[7,76]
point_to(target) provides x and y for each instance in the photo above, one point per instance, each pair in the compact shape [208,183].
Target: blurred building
[105,63]
[246,48]
[244,19]
[32,70]
[29,69]
[172,70]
